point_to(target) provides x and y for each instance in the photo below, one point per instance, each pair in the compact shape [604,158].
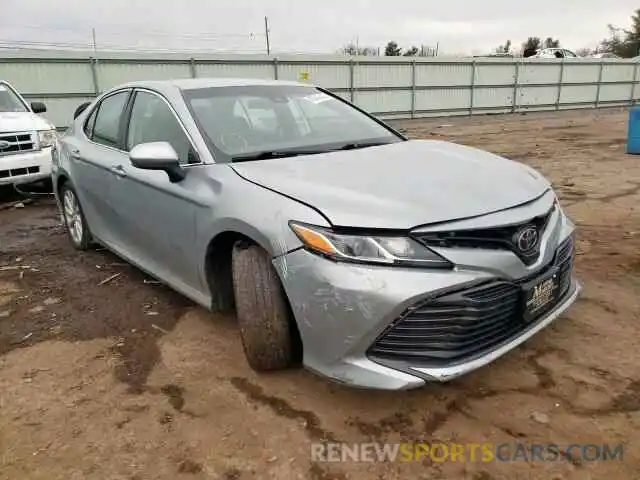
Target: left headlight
[47,138]
[376,249]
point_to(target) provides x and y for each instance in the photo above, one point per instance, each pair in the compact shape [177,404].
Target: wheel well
[218,269]
[62,179]
[220,279]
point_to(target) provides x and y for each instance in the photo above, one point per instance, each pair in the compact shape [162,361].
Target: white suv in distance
[26,139]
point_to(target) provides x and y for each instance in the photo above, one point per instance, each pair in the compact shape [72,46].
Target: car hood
[22,122]
[400,185]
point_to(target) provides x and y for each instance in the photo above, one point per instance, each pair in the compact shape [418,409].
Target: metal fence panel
[112,74]
[580,73]
[384,101]
[545,73]
[578,94]
[391,87]
[221,70]
[614,92]
[533,96]
[495,74]
[492,98]
[617,73]
[375,76]
[60,110]
[430,75]
[329,76]
[445,99]
[41,77]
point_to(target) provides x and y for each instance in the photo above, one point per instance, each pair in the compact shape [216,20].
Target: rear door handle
[75,153]
[118,170]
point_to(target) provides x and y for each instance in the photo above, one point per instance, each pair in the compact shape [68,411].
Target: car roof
[196,83]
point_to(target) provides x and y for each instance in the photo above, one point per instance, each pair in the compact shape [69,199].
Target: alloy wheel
[73,216]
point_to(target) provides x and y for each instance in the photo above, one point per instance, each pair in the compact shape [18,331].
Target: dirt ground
[105,375]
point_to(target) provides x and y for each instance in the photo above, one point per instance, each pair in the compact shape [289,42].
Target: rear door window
[106,129]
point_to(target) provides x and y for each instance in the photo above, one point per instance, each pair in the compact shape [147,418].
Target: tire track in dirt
[281,407]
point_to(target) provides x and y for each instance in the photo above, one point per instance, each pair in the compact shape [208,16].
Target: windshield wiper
[267,154]
[356,145]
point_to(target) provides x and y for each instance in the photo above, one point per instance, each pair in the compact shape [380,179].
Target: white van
[26,139]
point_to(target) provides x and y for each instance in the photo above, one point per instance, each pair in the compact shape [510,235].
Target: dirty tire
[263,313]
[83,241]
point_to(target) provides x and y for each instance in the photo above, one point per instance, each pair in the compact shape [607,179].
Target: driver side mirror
[158,156]
[38,107]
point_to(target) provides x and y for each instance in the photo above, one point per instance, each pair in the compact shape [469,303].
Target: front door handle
[119,170]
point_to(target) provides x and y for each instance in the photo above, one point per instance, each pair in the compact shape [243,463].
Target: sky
[319,26]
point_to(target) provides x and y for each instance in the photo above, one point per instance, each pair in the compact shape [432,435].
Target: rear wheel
[74,218]
[264,316]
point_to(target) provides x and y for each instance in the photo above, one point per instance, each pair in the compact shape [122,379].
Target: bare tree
[412,52]
[351,49]
[551,43]
[426,51]
[530,47]
[584,52]
[624,43]
[506,48]
[392,49]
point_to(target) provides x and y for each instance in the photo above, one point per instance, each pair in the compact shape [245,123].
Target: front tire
[73,217]
[263,312]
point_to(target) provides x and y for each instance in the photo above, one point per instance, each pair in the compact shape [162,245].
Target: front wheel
[74,218]
[264,316]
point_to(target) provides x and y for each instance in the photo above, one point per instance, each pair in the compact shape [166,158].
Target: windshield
[9,101]
[249,122]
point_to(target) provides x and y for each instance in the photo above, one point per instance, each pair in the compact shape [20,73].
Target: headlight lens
[377,249]
[47,138]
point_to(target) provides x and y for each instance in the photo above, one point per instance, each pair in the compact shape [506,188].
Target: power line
[148,33]
[88,42]
[88,51]
[108,33]
[24,45]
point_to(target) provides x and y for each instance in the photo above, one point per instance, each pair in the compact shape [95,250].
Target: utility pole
[93,41]
[266,32]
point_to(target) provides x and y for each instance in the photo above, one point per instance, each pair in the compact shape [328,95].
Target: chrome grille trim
[19,142]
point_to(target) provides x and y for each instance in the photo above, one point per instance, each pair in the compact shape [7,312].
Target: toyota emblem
[527,238]
[4,145]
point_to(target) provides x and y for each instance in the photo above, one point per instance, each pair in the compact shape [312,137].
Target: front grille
[501,238]
[19,142]
[460,325]
[564,258]
[17,172]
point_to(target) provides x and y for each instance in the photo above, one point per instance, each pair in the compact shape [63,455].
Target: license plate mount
[540,294]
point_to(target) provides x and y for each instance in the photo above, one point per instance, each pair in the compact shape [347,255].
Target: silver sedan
[372,259]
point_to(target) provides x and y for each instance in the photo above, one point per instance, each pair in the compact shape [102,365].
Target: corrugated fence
[390,87]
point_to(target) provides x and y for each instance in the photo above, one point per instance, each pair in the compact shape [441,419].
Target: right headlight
[362,248]
[47,138]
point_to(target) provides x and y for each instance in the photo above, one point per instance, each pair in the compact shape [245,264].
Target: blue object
[633,131]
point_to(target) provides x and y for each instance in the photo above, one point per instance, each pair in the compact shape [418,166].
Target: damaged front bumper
[355,327]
